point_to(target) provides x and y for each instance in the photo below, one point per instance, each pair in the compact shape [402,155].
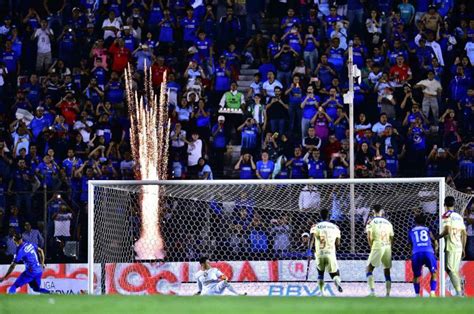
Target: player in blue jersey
[423,245]
[33,258]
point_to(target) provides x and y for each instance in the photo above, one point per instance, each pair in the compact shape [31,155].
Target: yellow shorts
[453,261]
[382,256]
[327,263]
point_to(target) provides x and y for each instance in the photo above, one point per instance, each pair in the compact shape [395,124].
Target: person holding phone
[310,108]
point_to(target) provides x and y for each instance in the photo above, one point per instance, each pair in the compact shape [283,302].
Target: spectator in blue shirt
[246,166]
[144,56]
[407,12]
[258,237]
[299,167]
[265,167]
[32,235]
[250,132]
[11,59]
[21,185]
[190,25]
[459,85]
[48,172]
[39,123]
[317,168]
[204,172]
[229,28]
[290,21]
[67,45]
[219,144]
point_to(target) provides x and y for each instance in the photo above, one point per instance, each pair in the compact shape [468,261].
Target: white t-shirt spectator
[44,42]
[379,127]
[435,46]
[179,142]
[194,152]
[126,166]
[21,141]
[62,225]
[470,51]
[107,23]
[79,125]
[362,127]
[281,237]
[270,87]
[309,198]
[431,87]
[2,73]
[374,78]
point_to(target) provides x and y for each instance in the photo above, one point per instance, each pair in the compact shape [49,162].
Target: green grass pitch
[24,304]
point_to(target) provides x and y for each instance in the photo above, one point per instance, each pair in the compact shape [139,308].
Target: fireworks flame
[149,137]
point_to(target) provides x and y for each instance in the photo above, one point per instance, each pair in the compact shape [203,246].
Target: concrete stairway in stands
[245,77]
[269,26]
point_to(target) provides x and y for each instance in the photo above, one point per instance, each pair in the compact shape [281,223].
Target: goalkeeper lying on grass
[211,281]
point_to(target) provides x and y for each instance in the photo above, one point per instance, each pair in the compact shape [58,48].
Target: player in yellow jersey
[454,232]
[380,236]
[326,238]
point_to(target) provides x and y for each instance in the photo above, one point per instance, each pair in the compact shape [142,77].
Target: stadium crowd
[64,119]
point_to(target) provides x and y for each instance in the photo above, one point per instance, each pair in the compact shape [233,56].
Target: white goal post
[193,218]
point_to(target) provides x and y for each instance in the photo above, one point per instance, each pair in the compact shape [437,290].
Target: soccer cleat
[371,294]
[339,288]
[244,294]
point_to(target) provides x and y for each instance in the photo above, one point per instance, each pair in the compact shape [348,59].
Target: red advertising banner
[270,278]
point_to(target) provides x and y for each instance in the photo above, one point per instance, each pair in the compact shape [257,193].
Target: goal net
[146,237]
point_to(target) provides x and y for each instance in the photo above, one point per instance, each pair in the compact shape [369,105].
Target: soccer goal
[145,237]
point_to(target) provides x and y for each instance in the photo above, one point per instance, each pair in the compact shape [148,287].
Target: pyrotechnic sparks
[149,137]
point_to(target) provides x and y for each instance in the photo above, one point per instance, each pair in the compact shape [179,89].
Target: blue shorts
[427,259]
[33,279]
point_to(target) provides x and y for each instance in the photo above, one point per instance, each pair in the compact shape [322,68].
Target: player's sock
[12,289]
[433,285]
[321,283]
[231,289]
[416,285]
[456,282]
[371,281]
[337,282]
[388,284]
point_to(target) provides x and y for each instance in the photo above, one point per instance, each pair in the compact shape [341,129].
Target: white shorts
[215,289]
[382,255]
[327,263]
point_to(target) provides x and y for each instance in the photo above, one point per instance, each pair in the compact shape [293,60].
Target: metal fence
[39,208]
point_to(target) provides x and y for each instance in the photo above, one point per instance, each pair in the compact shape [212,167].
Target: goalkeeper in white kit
[326,237]
[211,281]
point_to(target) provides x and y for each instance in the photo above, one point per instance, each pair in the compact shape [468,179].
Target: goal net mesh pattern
[253,221]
